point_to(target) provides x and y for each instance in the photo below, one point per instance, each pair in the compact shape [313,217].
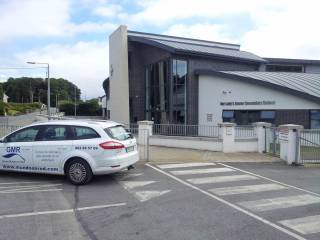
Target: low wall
[199,143]
[246,145]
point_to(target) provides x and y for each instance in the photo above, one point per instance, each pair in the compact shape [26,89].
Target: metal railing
[6,129]
[245,132]
[310,146]
[186,130]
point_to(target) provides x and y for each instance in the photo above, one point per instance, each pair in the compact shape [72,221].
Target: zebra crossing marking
[201,171]
[224,191]
[184,165]
[219,179]
[234,206]
[280,202]
[303,225]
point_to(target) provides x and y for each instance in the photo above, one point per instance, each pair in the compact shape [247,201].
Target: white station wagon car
[77,149]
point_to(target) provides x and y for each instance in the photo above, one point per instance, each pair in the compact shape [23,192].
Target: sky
[72,35]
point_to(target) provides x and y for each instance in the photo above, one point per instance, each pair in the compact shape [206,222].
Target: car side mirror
[3,140]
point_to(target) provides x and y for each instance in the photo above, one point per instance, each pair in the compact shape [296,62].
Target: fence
[6,129]
[310,146]
[245,132]
[186,130]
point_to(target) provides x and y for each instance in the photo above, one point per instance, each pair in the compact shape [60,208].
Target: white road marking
[265,221]
[271,180]
[247,189]
[202,171]
[31,186]
[184,165]
[220,179]
[32,191]
[60,211]
[135,184]
[280,202]
[147,195]
[304,225]
[8,183]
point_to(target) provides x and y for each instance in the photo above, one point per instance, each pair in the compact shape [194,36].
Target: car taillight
[111,145]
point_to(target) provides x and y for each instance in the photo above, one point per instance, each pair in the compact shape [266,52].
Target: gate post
[228,136]
[289,144]
[262,135]
[144,131]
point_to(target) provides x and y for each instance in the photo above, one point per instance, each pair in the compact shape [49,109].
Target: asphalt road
[166,202]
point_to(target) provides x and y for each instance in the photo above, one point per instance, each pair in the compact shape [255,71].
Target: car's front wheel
[79,172]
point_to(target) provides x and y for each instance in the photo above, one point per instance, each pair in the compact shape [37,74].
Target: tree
[27,89]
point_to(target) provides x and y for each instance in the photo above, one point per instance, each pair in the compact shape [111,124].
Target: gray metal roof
[306,85]
[195,46]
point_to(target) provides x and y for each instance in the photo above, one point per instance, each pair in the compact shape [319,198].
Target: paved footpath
[166,201]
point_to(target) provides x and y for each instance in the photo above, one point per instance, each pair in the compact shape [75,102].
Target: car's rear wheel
[79,172]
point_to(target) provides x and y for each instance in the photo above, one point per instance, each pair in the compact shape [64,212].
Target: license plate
[130,149]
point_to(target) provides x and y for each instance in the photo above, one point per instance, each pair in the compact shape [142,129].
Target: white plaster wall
[211,90]
[119,76]
[187,142]
[246,145]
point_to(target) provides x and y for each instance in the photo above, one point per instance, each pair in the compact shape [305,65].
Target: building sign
[246,103]
[283,134]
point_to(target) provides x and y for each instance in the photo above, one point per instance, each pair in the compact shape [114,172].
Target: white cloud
[111,10]
[85,64]
[38,18]
[204,31]
[290,32]
[279,28]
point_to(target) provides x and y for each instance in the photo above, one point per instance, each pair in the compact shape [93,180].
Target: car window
[84,133]
[54,133]
[118,133]
[24,135]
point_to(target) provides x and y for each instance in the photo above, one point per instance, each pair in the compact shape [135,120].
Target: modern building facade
[189,81]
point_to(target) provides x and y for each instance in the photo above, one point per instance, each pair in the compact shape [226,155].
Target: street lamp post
[48,77]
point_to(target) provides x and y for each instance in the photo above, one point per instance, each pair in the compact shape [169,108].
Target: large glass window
[179,76]
[315,119]
[157,92]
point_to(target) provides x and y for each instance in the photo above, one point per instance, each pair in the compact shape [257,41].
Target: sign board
[283,134]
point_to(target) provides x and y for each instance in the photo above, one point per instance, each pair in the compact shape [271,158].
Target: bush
[89,108]
[67,108]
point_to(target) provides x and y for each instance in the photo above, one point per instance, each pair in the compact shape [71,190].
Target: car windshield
[118,133]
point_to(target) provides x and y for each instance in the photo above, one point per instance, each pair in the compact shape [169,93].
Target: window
[24,135]
[157,92]
[228,115]
[315,119]
[267,114]
[179,75]
[118,133]
[84,133]
[54,133]
[284,68]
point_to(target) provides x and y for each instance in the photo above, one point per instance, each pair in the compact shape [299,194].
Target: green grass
[13,109]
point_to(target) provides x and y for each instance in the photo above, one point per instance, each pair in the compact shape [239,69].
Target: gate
[309,146]
[142,137]
[272,141]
